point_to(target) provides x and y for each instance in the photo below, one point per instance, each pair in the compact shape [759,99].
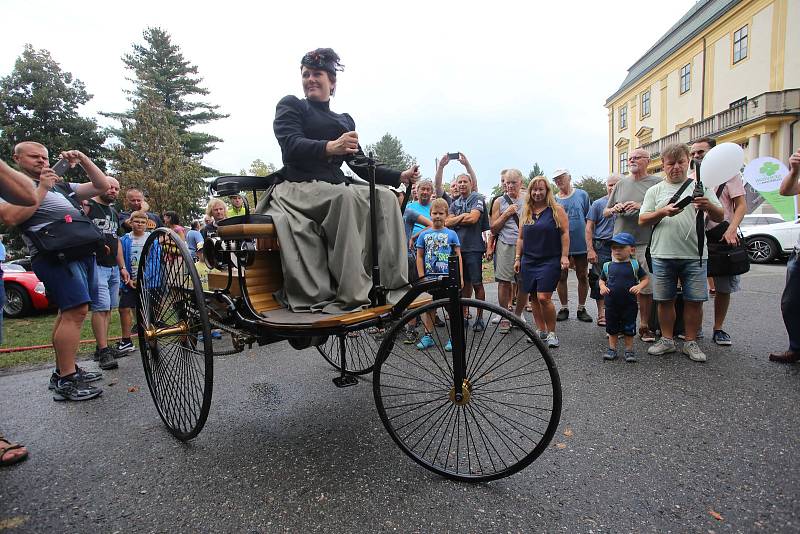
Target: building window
[740,44]
[623,117]
[686,78]
[646,104]
[623,162]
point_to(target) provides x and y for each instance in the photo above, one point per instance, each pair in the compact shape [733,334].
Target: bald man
[69,284]
[110,271]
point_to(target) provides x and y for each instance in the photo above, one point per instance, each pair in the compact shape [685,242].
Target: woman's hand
[516,265]
[605,290]
[346,144]
[564,263]
[410,175]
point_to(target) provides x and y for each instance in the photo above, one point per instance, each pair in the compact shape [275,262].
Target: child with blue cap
[621,280]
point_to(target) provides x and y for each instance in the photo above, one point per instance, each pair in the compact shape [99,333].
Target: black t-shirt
[107,220]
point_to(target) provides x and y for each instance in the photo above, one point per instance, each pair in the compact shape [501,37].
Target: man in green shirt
[237,205]
[675,249]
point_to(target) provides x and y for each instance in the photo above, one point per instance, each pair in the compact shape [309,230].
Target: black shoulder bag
[725,259]
[673,200]
[70,238]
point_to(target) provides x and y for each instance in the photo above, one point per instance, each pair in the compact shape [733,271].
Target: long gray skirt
[324,234]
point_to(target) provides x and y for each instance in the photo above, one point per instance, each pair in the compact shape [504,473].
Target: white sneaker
[662,346]
[692,350]
[552,340]
[496,319]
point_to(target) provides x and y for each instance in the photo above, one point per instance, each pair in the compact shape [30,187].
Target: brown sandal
[5,449]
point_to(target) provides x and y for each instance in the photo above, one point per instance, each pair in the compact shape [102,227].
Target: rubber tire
[151,352]
[385,352]
[25,307]
[762,249]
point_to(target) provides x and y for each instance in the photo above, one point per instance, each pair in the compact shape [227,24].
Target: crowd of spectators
[535,235]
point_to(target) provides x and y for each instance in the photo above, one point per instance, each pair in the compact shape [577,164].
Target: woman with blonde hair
[542,253]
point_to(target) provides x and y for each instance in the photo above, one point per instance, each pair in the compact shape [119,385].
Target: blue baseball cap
[623,238]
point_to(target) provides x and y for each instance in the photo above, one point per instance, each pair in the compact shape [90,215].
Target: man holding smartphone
[675,249]
[70,284]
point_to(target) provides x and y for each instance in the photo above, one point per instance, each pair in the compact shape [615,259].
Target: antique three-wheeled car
[482,411]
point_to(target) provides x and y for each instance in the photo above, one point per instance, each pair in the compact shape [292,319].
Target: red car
[24,292]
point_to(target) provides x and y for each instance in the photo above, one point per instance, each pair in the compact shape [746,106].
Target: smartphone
[61,167]
[453,155]
[682,203]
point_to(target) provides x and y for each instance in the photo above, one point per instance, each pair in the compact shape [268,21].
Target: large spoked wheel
[361,349]
[174,334]
[510,404]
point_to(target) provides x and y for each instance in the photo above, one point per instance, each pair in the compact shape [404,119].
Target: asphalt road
[662,445]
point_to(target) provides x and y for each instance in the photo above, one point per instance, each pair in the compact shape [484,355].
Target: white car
[765,242]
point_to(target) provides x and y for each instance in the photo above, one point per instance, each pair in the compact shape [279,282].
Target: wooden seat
[283,318]
[247,231]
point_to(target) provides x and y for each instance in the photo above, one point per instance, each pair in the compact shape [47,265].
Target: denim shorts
[107,289]
[691,273]
[727,284]
[68,284]
[473,267]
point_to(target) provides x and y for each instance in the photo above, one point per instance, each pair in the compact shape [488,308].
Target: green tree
[389,151]
[259,168]
[160,69]
[153,160]
[595,187]
[535,171]
[39,102]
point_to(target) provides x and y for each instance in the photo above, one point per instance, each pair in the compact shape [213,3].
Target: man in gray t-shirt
[624,202]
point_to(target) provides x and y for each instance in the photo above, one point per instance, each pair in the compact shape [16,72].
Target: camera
[453,155]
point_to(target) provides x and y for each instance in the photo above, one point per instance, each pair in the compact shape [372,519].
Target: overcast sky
[506,83]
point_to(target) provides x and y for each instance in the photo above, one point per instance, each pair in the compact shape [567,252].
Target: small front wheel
[509,404]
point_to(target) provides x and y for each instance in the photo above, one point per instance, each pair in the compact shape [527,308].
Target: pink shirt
[733,188]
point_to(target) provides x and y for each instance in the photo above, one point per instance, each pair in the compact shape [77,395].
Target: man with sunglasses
[624,202]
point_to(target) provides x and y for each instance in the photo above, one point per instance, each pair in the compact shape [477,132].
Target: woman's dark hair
[324,59]
[174,218]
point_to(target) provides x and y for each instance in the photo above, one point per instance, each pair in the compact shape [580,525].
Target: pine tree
[389,151]
[153,160]
[159,68]
[39,102]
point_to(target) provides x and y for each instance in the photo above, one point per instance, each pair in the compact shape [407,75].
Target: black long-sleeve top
[303,129]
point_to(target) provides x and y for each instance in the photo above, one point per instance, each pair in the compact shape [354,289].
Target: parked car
[759,219]
[766,242]
[24,292]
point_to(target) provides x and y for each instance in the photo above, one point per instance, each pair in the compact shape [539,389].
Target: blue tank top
[542,238]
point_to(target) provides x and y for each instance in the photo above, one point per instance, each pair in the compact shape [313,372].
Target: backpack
[634,264]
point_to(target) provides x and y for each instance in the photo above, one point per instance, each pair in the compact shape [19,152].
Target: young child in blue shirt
[434,247]
[621,280]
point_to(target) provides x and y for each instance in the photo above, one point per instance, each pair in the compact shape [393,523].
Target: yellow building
[729,69]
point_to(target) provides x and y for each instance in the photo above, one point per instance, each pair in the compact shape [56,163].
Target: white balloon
[720,164]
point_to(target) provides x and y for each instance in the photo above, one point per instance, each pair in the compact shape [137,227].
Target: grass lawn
[36,330]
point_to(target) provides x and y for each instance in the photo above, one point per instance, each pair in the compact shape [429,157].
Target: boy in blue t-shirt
[434,247]
[621,280]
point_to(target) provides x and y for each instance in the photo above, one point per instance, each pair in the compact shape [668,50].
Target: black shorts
[128,299]
[473,267]
[621,318]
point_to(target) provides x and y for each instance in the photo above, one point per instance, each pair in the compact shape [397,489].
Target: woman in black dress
[322,217]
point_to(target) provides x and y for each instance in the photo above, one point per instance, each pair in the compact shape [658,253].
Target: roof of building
[698,18]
